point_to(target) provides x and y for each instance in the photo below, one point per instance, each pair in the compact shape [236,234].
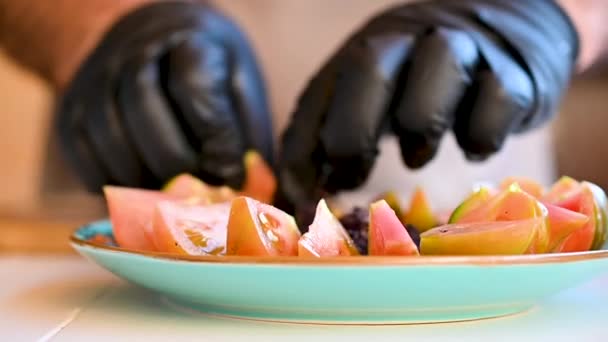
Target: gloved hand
[172,87]
[480,68]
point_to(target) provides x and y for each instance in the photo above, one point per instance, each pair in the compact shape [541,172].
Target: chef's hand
[172,87]
[481,68]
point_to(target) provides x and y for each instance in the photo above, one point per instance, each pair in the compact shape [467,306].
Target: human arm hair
[589,18]
[52,38]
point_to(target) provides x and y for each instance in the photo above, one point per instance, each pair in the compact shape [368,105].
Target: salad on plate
[518,216]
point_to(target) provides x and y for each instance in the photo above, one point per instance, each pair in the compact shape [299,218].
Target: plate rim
[360,261]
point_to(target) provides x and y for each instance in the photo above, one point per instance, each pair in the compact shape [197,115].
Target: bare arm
[589,17]
[53,37]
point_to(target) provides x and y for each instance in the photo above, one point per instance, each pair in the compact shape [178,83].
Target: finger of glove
[365,84]
[503,96]
[108,138]
[150,121]
[435,83]
[250,96]
[199,84]
[77,149]
[299,167]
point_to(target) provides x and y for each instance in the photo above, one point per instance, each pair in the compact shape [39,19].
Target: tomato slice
[326,236]
[182,228]
[581,201]
[420,214]
[481,238]
[387,235]
[131,212]
[259,229]
[196,191]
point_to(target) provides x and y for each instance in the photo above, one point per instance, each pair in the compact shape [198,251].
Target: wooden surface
[25,103]
[35,236]
[46,230]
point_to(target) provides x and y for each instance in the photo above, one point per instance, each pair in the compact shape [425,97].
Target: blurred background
[41,202]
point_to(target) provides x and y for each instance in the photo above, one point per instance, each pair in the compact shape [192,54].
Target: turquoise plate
[348,290]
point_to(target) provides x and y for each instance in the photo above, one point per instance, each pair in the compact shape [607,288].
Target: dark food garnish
[356,224]
[414,234]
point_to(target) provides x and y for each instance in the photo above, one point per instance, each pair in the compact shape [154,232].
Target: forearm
[53,37]
[589,18]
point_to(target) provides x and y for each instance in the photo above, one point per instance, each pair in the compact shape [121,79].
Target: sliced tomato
[183,228]
[528,185]
[195,191]
[259,229]
[562,223]
[420,213]
[131,212]
[581,201]
[511,204]
[392,199]
[601,211]
[387,235]
[260,182]
[481,238]
[474,201]
[326,237]
[561,189]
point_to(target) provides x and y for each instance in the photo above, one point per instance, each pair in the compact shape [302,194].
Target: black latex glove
[173,87]
[481,68]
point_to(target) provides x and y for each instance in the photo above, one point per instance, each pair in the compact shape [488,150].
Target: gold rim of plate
[371,261]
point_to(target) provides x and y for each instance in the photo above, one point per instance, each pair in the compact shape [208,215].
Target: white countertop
[71,299]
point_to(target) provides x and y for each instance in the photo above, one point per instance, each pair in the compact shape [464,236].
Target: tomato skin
[131,211]
[189,217]
[260,184]
[582,201]
[420,214]
[195,191]
[512,203]
[562,223]
[189,229]
[387,235]
[481,238]
[260,181]
[326,237]
[259,229]
[528,185]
